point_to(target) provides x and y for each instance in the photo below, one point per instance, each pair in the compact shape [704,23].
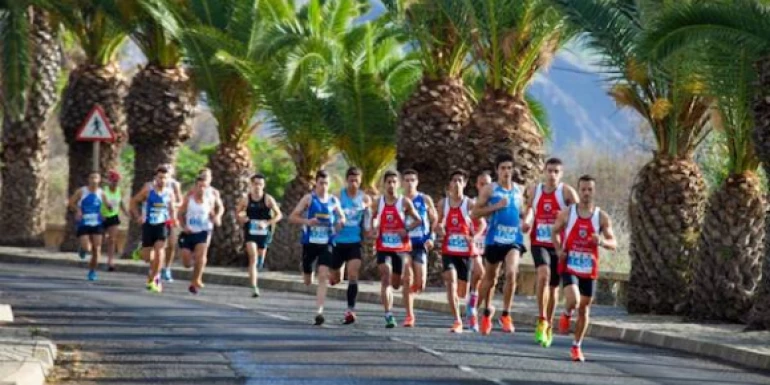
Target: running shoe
[137,254]
[415,289]
[319,320]
[350,317]
[506,322]
[409,321]
[92,275]
[192,289]
[486,322]
[577,354]
[457,327]
[390,321]
[540,331]
[473,323]
[564,322]
[82,253]
[166,275]
[255,293]
[548,338]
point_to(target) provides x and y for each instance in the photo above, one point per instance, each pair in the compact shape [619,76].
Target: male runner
[546,200]
[393,242]
[112,216]
[504,243]
[257,212]
[457,228]
[158,200]
[195,216]
[586,228]
[323,214]
[87,203]
[212,193]
[415,265]
[347,244]
[173,232]
[476,263]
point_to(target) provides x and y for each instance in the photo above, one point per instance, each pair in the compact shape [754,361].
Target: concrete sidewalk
[727,342]
[25,357]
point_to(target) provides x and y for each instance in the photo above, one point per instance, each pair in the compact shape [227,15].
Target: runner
[323,213]
[457,247]
[546,200]
[257,213]
[347,244]
[393,241]
[586,228]
[504,242]
[173,231]
[159,211]
[212,193]
[476,263]
[415,266]
[195,217]
[112,216]
[87,203]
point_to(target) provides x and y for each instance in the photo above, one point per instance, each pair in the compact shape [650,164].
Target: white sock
[388,314]
[320,310]
[576,343]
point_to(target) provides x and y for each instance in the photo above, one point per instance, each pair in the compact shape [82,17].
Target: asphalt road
[114,332]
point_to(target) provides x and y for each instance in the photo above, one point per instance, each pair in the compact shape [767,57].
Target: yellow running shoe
[540,331]
[548,337]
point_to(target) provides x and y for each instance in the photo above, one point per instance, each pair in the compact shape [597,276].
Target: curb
[598,329]
[34,369]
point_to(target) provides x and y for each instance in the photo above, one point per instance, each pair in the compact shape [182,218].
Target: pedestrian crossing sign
[96,127]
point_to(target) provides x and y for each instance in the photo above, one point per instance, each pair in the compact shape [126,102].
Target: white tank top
[197,216]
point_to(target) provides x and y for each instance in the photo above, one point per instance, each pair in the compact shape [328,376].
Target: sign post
[96,128]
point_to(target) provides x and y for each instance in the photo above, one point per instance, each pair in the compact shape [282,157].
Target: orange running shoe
[457,327]
[409,321]
[506,322]
[485,326]
[564,323]
[577,354]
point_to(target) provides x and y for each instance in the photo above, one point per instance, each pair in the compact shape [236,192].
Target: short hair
[554,162]
[204,169]
[257,176]
[586,178]
[389,174]
[502,158]
[161,170]
[94,173]
[353,171]
[200,179]
[460,172]
[321,174]
[410,171]
[485,173]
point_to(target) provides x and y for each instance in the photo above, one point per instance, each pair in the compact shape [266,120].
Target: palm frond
[540,116]
[15,77]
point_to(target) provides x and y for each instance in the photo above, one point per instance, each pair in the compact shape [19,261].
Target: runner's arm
[482,209]
[570,195]
[276,209]
[609,242]
[219,207]
[106,201]
[432,212]
[340,213]
[527,214]
[409,210]
[438,228]
[374,209]
[124,209]
[240,209]
[72,203]
[558,227]
[482,221]
[183,209]
[136,200]
[296,214]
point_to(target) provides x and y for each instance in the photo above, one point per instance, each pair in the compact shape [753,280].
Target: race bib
[91,220]
[392,241]
[580,263]
[255,230]
[457,243]
[417,233]
[196,221]
[320,235]
[505,235]
[353,217]
[543,233]
[479,243]
[156,217]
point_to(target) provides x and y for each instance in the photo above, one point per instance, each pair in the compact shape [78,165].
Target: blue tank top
[323,211]
[505,224]
[157,206]
[91,206]
[422,233]
[354,215]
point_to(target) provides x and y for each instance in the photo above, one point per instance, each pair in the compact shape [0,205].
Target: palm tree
[668,197]
[431,120]
[98,81]
[30,67]
[720,24]
[160,100]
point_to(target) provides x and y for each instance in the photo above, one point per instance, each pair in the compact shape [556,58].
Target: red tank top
[582,252]
[457,223]
[391,220]
[547,207]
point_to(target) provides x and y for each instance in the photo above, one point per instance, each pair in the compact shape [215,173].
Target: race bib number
[156,217]
[91,220]
[457,243]
[320,235]
[196,222]
[505,235]
[580,263]
[417,233]
[353,217]
[543,233]
[479,243]
[255,230]
[392,241]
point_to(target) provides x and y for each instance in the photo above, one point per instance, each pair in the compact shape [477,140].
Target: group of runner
[479,237]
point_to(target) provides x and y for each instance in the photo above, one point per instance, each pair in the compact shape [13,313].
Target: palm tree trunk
[24,154]
[90,85]
[286,250]
[231,166]
[160,105]
[666,211]
[727,272]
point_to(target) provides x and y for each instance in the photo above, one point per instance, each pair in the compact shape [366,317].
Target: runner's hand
[439,230]
[262,224]
[140,220]
[561,253]
[401,233]
[187,230]
[429,245]
[525,227]
[312,222]
[217,221]
[596,238]
[503,203]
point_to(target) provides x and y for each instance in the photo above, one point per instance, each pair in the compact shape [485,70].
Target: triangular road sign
[96,127]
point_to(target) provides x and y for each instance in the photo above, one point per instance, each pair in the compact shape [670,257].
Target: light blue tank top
[91,206]
[354,216]
[505,224]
